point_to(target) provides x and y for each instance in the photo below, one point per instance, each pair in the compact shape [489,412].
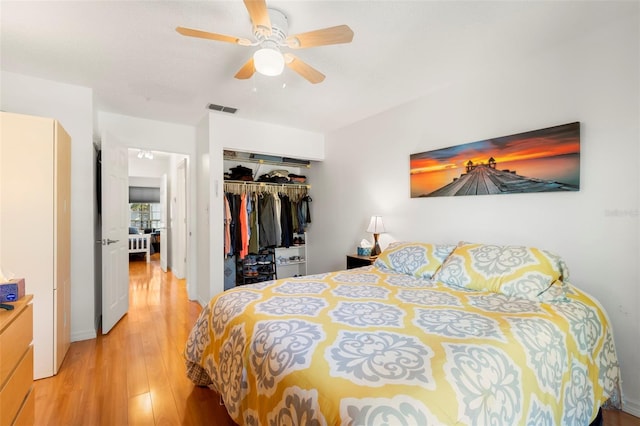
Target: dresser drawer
[14,341]
[26,416]
[16,389]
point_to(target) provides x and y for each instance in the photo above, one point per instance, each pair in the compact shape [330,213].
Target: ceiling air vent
[221,108]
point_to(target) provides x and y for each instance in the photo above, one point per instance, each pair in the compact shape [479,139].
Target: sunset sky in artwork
[549,142]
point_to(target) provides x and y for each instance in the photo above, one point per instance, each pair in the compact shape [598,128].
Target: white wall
[203,238]
[72,106]
[263,138]
[168,137]
[229,132]
[145,168]
[594,80]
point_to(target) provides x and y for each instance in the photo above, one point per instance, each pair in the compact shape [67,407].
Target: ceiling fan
[270,29]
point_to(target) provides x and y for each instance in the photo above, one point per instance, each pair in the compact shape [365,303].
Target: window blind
[144,194]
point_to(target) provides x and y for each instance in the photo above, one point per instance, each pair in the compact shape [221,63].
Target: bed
[140,243]
[429,334]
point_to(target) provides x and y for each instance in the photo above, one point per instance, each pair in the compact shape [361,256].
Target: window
[144,215]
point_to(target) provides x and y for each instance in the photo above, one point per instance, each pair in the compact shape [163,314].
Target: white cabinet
[292,261]
[35,227]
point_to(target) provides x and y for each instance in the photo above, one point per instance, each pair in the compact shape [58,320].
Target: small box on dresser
[16,364]
[12,290]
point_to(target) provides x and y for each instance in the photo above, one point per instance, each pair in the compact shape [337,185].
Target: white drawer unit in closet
[292,261]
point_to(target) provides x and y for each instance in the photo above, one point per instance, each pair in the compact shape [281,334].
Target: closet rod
[242,187]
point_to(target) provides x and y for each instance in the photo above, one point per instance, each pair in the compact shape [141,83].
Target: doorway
[164,174]
[146,169]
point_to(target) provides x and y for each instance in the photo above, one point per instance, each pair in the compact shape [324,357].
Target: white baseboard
[83,335]
[631,407]
[202,303]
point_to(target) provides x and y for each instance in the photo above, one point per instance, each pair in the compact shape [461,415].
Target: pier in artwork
[487,179]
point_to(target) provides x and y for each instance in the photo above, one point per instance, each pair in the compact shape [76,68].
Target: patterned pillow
[525,272]
[421,260]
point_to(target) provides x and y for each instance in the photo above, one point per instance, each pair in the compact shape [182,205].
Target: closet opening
[267,208]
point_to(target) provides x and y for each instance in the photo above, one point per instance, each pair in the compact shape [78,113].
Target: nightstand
[355,261]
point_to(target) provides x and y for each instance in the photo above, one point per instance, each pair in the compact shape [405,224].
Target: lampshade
[376,226]
[268,61]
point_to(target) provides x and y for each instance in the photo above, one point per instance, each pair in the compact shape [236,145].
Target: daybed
[140,243]
[430,334]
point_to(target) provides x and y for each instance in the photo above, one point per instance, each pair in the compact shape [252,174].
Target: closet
[35,227]
[267,210]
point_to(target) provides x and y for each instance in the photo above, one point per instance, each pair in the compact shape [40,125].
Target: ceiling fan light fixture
[268,61]
[145,154]
[271,32]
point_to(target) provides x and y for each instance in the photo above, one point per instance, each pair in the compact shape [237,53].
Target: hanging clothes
[286,221]
[227,228]
[305,211]
[294,216]
[232,225]
[249,208]
[267,227]
[261,216]
[236,237]
[277,210]
[244,227]
[254,247]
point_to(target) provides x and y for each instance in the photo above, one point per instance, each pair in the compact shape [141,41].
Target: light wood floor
[135,375]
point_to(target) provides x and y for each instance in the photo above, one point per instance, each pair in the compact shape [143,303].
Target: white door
[180,258]
[115,227]
[163,223]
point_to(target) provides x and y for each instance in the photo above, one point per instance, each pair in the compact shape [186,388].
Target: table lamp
[376,227]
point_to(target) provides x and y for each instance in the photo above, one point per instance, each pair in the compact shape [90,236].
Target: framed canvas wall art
[545,160]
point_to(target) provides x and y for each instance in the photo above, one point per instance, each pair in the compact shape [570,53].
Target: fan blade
[213,36]
[305,70]
[246,71]
[332,35]
[259,16]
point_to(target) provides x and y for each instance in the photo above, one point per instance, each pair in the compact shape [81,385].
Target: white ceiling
[129,53]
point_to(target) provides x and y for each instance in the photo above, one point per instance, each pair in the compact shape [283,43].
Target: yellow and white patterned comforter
[367,346]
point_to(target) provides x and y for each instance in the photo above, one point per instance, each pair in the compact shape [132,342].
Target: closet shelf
[261,161]
[257,183]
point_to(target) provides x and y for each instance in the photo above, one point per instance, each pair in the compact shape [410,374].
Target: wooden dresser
[17,398]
